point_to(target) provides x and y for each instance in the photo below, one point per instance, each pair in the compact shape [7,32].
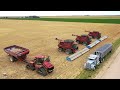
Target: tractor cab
[39,59]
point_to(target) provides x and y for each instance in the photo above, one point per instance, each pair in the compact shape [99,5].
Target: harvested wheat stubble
[39,38]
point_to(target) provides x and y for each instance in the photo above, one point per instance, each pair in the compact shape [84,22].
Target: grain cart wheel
[60,49]
[28,66]
[13,59]
[42,71]
[68,51]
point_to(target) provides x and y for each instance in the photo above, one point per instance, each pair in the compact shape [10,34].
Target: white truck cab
[92,61]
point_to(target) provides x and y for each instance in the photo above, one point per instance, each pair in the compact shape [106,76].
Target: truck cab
[92,62]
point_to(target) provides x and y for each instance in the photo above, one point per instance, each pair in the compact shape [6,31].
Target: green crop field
[114,21]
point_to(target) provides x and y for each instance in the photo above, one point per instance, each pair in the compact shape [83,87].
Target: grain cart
[17,53]
[98,56]
[68,46]
[83,39]
[94,34]
[41,62]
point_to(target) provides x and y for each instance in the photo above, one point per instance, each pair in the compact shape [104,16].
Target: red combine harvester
[94,34]
[41,63]
[68,46]
[83,39]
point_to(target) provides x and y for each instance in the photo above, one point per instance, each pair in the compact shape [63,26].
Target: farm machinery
[83,39]
[94,34]
[41,63]
[68,46]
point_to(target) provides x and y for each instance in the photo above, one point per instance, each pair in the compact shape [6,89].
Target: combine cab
[68,46]
[94,34]
[83,39]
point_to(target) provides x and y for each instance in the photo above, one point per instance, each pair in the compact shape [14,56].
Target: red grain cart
[17,53]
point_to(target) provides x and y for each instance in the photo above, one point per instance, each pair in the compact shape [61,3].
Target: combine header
[68,46]
[83,39]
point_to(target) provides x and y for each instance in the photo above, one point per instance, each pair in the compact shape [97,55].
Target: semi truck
[97,57]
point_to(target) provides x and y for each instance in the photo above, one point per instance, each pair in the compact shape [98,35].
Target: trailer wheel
[101,60]
[68,51]
[93,68]
[42,71]
[60,49]
[13,59]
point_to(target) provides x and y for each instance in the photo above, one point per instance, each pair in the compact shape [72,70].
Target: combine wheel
[60,49]
[68,51]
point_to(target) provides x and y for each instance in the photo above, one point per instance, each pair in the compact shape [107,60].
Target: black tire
[13,59]
[60,49]
[110,51]
[49,71]
[78,42]
[101,60]
[68,51]
[28,66]
[42,71]
[75,47]
[85,43]
[97,37]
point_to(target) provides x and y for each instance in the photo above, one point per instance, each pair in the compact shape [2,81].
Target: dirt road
[112,69]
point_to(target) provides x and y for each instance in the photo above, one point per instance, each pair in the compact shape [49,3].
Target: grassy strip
[116,21]
[86,74]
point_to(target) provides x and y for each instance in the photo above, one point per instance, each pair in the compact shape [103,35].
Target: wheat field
[39,38]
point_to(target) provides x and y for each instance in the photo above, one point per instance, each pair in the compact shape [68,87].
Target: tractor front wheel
[42,71]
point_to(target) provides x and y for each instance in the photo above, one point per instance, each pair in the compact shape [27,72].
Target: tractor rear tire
[30,67]
[68,51]
[13,59]
[42,71]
